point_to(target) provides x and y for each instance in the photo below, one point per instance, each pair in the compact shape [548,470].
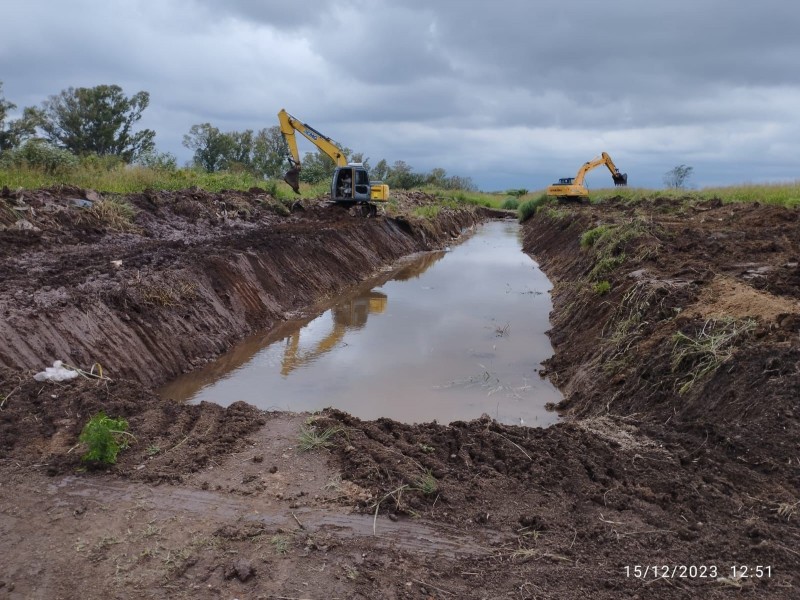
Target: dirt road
[675,474]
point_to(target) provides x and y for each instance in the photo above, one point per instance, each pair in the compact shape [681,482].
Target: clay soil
[674,472]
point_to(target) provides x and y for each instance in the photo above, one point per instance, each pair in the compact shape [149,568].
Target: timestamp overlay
[729,572]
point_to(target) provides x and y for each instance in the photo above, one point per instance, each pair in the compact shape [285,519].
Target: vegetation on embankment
[777,194]
[108,175]
[780,194]
[119,178]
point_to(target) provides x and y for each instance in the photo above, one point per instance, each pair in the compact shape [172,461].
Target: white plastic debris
[58,372]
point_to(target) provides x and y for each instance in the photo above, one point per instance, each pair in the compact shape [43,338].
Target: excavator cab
[351,184]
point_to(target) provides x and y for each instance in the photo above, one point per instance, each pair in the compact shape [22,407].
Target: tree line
[100,123]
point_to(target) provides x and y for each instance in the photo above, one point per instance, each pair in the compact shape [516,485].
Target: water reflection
[351,314]
[447,336]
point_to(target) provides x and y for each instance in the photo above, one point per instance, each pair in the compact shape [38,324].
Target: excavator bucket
[292,177]
[620,179]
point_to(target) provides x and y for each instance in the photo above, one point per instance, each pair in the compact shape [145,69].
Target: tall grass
[126,179]
[781,194]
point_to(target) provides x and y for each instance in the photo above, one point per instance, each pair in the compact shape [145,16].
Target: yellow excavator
[573,188]
[350,184]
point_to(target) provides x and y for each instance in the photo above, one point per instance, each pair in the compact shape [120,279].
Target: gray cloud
[512,93]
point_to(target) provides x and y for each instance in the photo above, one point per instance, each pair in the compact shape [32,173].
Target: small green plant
[426,448]
[105,437]
[351,573]
[590,236]
[152,450]
[606,264]
[602,287]
[311,439]
[427,484]
[280,543]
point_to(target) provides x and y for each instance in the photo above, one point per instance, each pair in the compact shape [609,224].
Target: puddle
[447,336]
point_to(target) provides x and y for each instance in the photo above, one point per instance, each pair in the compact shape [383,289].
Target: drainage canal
[446,336]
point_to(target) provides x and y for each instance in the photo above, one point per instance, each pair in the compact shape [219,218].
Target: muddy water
[446,336]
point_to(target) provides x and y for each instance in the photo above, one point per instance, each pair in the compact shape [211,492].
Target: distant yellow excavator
[573,188]
[350,184]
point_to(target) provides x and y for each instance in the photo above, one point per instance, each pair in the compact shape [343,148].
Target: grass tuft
[697,356]
[311,439]
[114,214]
[427,484]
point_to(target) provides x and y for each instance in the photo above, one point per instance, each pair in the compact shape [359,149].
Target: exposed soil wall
[700,329]
[186,277]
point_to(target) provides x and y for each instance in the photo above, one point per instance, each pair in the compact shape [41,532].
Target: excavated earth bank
[676,333]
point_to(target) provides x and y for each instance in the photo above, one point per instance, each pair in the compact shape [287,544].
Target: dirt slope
[189,275]
[667,458]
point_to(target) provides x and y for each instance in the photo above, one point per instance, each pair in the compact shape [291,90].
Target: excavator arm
[575,188]
[603,159]
[290,125]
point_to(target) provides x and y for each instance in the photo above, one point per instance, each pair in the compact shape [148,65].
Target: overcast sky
[512,93]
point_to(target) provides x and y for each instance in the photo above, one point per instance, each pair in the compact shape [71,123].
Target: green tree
[678,176]
[269,153]
[160,161]
[6,139]
[316,167]
[457,182]
[401,176]
[13,133]
[380,171]
[240,150]
[40,154]
[98,120]
[212,148]
[437,177]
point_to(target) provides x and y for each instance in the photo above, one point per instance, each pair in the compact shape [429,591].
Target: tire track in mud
[222,509]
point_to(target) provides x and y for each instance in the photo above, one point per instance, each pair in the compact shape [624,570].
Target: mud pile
[676,333]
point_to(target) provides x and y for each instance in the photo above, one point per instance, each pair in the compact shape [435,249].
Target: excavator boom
[289,125]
